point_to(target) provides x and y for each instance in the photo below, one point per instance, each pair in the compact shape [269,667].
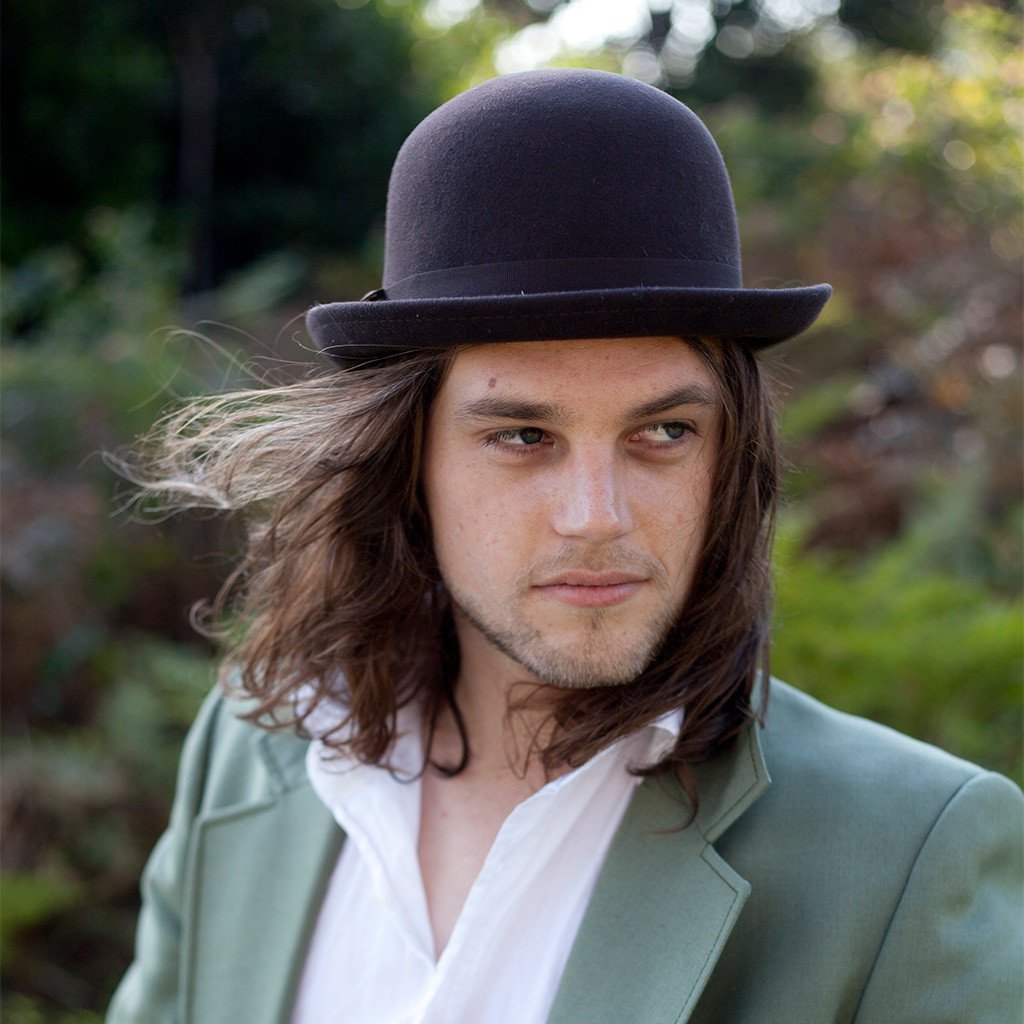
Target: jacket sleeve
[148,993]
[954,947]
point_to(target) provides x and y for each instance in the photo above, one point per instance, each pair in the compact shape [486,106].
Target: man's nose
[592,502]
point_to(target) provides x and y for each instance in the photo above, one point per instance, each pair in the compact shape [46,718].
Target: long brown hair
[338,597]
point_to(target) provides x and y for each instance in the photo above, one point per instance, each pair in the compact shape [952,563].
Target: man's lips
[591,589]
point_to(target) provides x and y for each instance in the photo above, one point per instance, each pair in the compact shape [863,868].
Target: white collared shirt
[371,959]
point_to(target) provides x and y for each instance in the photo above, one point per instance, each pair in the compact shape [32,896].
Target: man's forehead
[552,364]
[555,381]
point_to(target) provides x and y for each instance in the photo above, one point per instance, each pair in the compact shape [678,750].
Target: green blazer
[876,879]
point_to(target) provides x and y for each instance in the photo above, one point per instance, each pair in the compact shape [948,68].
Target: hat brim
[358,332]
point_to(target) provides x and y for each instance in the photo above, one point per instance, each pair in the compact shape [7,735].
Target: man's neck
[504,745]
[506,735]
[460,815]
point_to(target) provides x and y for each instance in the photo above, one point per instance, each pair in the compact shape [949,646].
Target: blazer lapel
[665,901]
[260,870]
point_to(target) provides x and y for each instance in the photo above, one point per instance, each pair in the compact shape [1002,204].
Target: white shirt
[371,959]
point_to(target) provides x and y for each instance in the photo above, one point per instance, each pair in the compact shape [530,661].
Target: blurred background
[182,178]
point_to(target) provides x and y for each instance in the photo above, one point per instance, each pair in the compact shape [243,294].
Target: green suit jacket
[875,880]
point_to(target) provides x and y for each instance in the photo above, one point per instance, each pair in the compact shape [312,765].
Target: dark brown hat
[559,204]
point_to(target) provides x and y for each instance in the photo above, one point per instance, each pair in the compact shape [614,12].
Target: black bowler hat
[559,204]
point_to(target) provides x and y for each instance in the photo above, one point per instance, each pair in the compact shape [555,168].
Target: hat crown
[560,165]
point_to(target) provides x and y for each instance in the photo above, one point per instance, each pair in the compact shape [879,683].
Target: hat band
[533,277]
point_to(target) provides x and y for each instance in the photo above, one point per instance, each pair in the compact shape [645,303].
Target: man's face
[568,485]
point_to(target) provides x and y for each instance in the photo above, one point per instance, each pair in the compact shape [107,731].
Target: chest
[505,885]
[459,822]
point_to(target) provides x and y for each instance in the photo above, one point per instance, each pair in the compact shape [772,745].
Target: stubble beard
[598,654]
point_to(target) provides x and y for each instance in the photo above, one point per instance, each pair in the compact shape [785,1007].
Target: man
[509,570]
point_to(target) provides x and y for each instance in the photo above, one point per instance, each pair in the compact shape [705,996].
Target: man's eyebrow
[497,408]
[688,394]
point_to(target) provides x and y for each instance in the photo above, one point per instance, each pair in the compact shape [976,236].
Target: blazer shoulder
[886,869]
[236,761]
[802,733]
[850,771]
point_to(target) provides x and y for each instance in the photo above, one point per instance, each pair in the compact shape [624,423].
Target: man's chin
[566,672]
[570,654]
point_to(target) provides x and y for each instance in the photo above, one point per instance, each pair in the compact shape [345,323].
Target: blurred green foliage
[899,550]
[21,1009]
[84,803]
[171,121]
[922,649]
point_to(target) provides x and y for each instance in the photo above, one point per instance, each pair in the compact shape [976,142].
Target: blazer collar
[664,904]
[262,912]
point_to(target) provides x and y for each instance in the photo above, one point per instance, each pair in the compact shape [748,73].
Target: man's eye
[521,437]
[666,432]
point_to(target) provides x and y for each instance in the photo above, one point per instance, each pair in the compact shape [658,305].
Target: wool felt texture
[559,204]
